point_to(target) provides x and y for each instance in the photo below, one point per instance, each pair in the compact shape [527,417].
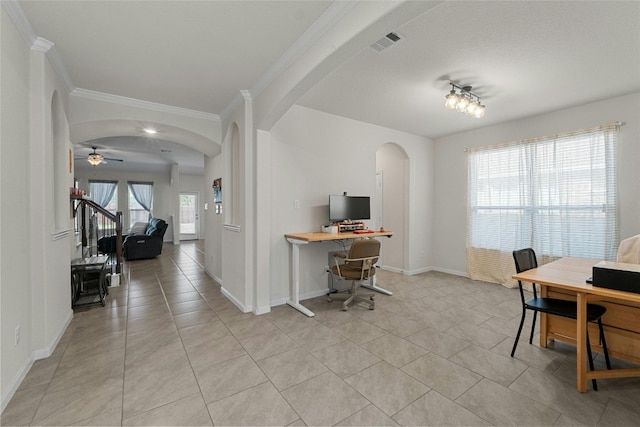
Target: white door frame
[196,233]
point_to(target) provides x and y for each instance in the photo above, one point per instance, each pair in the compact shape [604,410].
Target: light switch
[296,204]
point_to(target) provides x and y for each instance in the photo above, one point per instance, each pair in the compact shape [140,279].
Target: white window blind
[556,194]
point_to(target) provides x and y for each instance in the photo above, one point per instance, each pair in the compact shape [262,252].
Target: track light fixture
[465,101]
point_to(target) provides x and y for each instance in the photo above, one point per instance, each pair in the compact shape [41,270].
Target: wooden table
[298,239]
[566,278]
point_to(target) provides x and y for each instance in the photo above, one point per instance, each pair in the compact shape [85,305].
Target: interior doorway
[392,187]
[189,218]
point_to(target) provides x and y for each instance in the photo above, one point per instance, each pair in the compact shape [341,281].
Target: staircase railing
[110,225]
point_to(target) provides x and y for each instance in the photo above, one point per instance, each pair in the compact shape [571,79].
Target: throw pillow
[138,228]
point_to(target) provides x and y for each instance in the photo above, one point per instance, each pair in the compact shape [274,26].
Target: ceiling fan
[96,158]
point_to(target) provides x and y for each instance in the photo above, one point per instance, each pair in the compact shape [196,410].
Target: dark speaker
[616,276]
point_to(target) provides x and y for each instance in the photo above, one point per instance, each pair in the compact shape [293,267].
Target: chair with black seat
[358,266]
[525,259]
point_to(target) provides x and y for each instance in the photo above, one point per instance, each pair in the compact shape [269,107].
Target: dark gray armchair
[147,245]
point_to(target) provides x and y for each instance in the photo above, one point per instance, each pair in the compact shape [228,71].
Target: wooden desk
[298,239]
[566,278]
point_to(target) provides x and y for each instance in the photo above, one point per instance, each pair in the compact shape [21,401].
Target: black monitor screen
[349,207]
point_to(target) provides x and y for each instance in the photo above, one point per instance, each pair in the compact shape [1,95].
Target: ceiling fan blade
[113,160]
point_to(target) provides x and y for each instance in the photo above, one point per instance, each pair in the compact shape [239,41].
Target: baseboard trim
[230,297]
[20,376]
[43,353]
[308,295]
[38,354]
[213,276]
[262,310]
[448,271]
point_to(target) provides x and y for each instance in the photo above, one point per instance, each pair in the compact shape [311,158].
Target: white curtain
[556,194]
[102,191]
[143,193]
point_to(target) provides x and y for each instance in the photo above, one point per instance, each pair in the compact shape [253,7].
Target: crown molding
[335,12]
[56,62]
[138,103]
[39,44]
[232,106]
[42,45]
[15,12]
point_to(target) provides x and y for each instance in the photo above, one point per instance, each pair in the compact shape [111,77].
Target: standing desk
[299,239]
[566,278]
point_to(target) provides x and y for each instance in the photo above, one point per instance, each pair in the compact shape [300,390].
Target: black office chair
[525,259]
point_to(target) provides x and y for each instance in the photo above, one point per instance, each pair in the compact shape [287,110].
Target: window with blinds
[556,194]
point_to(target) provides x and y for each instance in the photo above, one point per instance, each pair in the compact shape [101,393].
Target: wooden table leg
[581,342]
[543,319]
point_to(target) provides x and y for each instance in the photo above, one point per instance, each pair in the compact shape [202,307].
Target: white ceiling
[522,57]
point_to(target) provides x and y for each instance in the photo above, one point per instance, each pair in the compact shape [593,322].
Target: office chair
[357,266]
[525,259]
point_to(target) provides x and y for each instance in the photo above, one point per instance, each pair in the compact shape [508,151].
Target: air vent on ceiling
[387,41]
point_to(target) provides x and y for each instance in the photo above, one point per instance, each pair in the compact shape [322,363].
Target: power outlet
[17,335]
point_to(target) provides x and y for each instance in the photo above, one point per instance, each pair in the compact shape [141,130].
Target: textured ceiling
[189,54]
[522,57]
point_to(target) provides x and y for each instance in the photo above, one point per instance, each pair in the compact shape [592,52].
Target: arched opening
[392,190]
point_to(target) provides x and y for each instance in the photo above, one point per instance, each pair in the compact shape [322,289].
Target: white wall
[237,257]
[14,206]
[35,218]
[451,168]
[314,154]
[213,230]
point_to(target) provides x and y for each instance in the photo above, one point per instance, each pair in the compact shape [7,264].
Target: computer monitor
[343,207]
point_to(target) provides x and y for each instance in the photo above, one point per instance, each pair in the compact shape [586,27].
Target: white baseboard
[38,354]
[423,270]
[17,380]
[454,272]
[48,351]
[242,307]
[392,269]
[308,295]
[213,276]
[262,310]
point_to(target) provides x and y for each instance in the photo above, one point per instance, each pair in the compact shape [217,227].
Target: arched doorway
[392,190]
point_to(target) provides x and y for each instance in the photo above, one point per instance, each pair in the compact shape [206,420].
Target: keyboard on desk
[362,231]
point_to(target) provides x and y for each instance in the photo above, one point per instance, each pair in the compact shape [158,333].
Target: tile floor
[169,349]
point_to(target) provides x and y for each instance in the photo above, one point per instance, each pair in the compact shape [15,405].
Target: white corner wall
[15,302]
[213,231]
[451,168]
[34,186]
[314,154]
